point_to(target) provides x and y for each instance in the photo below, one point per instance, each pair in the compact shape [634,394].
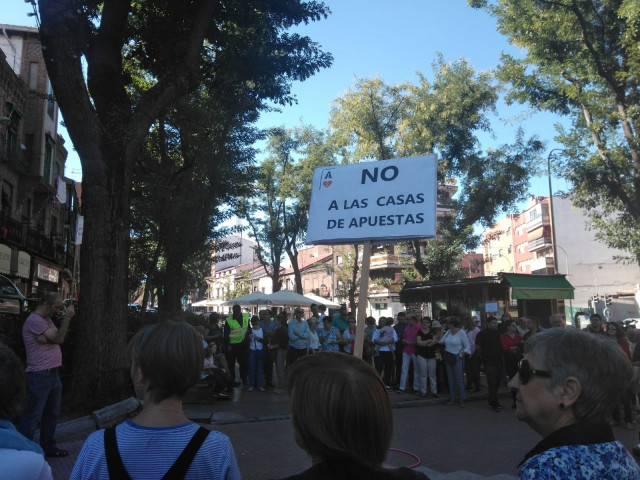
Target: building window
[51,103]
[48,158]
[6,200]
[339,260]
[26,211]
[533,214]
[33,75]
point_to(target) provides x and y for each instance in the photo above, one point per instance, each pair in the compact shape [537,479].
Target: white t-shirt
[23,464]
[253,343]
[314,340]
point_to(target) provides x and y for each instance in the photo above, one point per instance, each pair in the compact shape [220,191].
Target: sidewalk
[451,442]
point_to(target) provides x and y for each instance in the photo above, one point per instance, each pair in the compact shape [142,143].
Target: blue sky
[393,40]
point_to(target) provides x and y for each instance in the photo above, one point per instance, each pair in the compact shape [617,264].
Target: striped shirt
[40,356]
[149,452]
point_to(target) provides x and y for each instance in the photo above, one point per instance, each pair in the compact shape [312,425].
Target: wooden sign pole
[362,298]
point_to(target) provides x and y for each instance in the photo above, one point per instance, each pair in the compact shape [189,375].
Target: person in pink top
[409,351]
[42,342]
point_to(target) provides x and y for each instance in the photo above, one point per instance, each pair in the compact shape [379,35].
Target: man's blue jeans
[455,376]
[256,368]
[44,391]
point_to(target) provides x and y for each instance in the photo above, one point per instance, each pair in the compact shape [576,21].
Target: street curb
[117,413]
[105,417]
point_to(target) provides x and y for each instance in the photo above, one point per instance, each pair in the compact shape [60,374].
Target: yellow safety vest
[237,333]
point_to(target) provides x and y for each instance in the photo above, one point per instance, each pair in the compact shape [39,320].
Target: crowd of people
[567,384]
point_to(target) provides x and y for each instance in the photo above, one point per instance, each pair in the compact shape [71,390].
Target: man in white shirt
[298,336]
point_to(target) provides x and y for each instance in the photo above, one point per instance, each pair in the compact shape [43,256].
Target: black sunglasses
[525,371]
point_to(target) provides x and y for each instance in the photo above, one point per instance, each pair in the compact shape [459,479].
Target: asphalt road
[446,439]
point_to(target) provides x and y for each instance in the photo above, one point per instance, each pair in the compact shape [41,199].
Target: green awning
[538,287]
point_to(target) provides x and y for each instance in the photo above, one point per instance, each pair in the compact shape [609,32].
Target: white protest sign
[374,201]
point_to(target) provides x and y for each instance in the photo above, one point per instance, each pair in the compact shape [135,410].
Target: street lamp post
[551,220]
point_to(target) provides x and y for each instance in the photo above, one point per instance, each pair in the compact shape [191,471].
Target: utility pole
[551,219]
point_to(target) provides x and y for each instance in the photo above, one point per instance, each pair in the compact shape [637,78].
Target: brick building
[38,205]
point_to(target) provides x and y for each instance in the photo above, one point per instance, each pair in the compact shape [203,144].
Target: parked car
[11,299]
[13,310]
[135,308]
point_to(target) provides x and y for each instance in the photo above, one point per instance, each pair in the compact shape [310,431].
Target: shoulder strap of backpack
[115,467]
[179,469]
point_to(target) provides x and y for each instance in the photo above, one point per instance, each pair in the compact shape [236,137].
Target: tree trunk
[101,371]
[173,282]
[293,257]
[151,273]
[276,284]
[417,259]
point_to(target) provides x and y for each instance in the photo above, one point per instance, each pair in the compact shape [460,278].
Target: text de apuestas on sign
[377,220]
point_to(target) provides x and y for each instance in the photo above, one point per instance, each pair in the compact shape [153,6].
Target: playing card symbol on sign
[327,183]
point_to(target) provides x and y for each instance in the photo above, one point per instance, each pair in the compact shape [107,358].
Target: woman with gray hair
[567,385]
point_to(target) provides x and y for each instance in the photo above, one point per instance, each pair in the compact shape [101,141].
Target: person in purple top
[409,353]
[42,342]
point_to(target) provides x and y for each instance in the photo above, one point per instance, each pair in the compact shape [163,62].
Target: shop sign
[47,273]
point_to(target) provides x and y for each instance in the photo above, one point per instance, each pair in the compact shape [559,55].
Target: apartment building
[524,243]
[38,205]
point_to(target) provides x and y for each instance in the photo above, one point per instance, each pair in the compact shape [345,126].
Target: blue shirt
[11,439]
[339,322]
[148,452]
[301,327]
[328,336]
[581,451]
[600,461]
[269,327]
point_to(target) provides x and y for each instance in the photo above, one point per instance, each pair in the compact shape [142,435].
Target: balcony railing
[21,236]
[15,157]
[15,230]
[541,265]
[538,243]
[385,260]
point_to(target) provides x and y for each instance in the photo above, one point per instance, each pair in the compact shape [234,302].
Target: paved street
[446,439]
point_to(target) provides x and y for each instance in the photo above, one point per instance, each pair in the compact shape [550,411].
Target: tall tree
[582,60]
[443,115]
[447,114]
[278,213]
[264,212]
[178,44]
[313,150]
[365,123]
